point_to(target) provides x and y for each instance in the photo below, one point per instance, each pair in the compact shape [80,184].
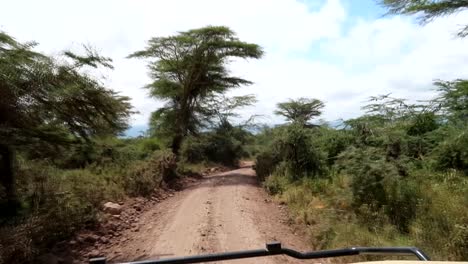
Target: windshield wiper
[275,248]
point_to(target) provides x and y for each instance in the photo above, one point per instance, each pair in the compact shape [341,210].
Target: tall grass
[325,206]
[57,202]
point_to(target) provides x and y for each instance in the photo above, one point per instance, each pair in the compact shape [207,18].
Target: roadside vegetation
[396,175]
[61,147]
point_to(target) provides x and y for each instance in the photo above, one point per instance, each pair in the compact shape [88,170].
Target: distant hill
[139,130]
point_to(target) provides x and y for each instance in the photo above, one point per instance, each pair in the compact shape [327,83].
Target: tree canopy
[189,69]
[301,110]
[429,9]
[453,99]
[45,99]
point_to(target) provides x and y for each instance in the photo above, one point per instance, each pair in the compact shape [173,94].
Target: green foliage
[45,99]
[369,172]
[225,145]
[300,111]
[394,176]
[378,186]
[55,204]
[429,9]
[452,153]
[422,123]
[51,102]
[299,151]
[440,227]
[61,196]
[454,99]
[145,176]
[294,148]
[189,71]
[276,184]
[98,151]
[333,142]
[265,163]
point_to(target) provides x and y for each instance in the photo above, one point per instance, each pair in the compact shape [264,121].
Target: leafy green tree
[387,108]
[453,99]
[189,69]
[429,9]
[300,111]
[51,101]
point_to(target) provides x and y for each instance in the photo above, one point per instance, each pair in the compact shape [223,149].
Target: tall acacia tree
[300,111]
[188,69]
[429,9]
[43,100]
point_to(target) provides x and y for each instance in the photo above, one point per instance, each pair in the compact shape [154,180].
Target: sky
[339,51]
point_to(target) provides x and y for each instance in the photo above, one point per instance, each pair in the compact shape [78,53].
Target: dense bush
[265,164]
[62,195]
[452,152]
[223,145]
[55,203]
[295,149]
[299,152]
[379,186]
[145,176]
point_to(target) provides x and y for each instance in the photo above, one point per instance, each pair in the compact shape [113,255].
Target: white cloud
[391,54]
[395,55]
[118,28]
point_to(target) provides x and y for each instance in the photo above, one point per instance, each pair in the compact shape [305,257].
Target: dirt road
[223,212]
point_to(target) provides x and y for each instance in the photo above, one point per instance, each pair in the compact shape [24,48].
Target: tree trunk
[176,144]
[7,178]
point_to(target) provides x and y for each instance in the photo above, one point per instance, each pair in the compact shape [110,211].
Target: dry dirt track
[224,212]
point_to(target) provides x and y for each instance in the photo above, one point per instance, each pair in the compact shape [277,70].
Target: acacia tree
[49,101]
[453,99]
[429,9]
[189,69]
[300,111]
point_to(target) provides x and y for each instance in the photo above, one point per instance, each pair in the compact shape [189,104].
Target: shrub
[452,153]
[55,203]
[292,147]
[149,145]
[333,142]
[144,176]
[193,149]
[377,185]
[276,184]
[422,124]
[297,149]
[265,164]
[224,145]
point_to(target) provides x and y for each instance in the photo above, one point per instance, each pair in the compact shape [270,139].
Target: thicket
[63,193]
[395,176]
[225,144]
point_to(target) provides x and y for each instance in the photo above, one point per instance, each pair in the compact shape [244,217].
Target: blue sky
[366,9]
[339,51]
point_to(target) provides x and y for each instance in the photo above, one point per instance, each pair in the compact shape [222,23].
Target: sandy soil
[222,212]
